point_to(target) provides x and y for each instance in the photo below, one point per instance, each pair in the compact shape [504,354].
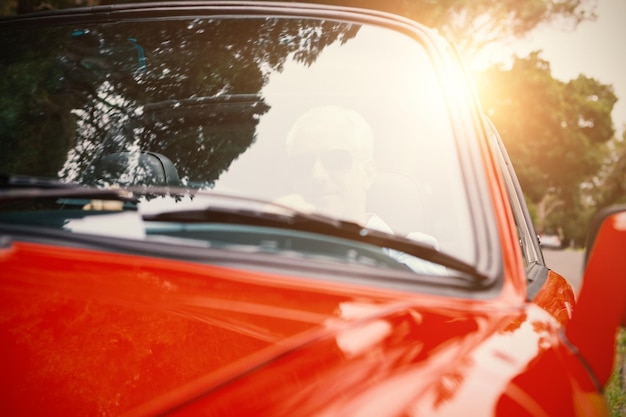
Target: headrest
[135,168]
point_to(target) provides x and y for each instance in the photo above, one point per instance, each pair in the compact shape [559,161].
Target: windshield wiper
[285,218]
[238,210]
[16,187]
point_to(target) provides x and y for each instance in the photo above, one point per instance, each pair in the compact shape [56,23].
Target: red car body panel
[557,297]
[602,307]
[94,333]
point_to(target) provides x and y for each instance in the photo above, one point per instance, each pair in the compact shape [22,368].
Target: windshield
[320,116]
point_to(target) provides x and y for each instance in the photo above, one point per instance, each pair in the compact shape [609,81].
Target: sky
[596,49]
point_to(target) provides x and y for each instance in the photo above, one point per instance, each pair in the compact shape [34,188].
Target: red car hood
[90,333]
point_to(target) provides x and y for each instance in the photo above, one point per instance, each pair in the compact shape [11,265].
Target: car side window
[526,234]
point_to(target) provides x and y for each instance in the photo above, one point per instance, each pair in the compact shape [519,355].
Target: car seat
[129,168]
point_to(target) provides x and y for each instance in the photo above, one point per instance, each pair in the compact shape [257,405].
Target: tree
[92,94]
[473,24]
[610,187]
[556,133]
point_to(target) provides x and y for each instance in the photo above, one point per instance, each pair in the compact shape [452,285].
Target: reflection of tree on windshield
[187,89]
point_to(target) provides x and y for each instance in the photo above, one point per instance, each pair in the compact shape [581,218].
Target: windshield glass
[345,120]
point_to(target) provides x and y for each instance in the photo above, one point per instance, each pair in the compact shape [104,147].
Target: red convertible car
[275,209]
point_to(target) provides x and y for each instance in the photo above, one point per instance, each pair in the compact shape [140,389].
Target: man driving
[331,164]
[330,153]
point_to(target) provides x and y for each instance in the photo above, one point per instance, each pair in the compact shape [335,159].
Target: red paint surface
[602,305]
[89,333]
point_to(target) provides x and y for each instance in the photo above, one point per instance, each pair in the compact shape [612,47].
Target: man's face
[331,169]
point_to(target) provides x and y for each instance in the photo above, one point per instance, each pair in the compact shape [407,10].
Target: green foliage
[555,132]
[24,98]
[71,94]
[615,391]
[612,184]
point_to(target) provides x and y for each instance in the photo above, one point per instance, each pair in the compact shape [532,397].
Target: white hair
[334,114]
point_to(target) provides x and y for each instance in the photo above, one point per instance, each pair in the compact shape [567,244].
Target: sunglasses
[335,161]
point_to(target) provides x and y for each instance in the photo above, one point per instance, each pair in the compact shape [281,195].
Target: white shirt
[413,263]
